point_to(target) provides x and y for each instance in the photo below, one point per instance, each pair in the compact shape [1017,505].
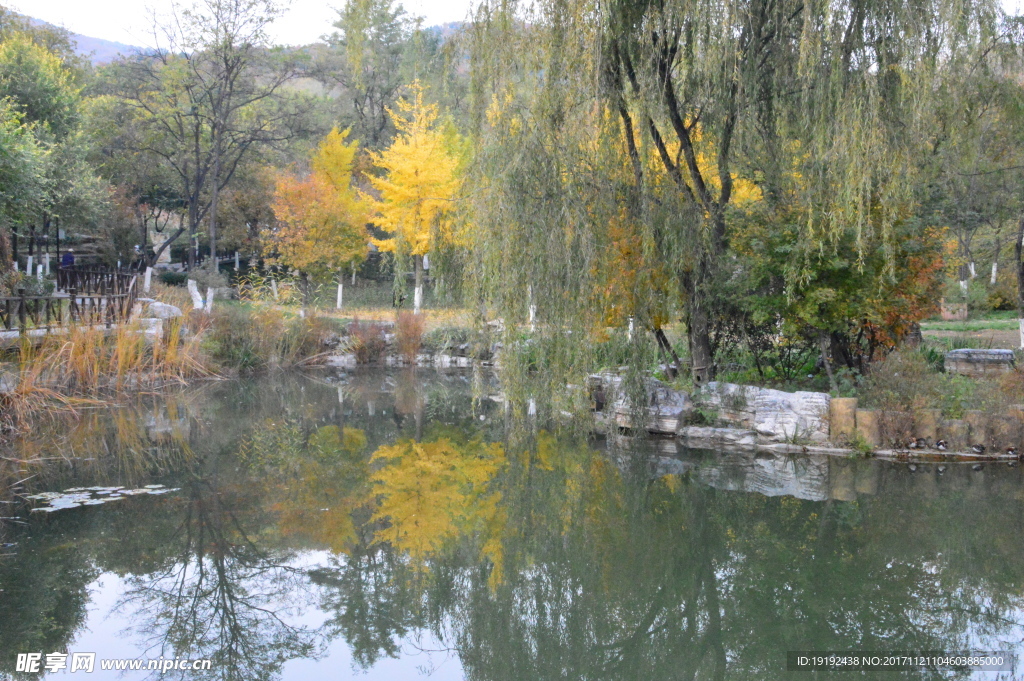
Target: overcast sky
[128,21]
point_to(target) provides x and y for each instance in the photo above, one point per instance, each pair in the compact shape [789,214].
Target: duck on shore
[941,445]
[978,449]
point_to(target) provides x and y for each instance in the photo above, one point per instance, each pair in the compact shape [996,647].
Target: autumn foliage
[419,181]
[321,218]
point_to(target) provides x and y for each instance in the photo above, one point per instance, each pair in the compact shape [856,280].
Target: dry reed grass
[177,296]
[409,328]
[368,343]
[89,364]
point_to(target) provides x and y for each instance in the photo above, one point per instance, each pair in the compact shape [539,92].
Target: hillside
[98,50]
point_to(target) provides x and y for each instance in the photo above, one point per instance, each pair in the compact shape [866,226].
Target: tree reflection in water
[220,596]
[303,519]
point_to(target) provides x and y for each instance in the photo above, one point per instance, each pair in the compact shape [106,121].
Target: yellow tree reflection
[431,493]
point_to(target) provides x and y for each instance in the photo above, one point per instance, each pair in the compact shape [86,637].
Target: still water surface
[387,526]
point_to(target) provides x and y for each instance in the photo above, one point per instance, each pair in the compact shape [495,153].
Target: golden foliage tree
[321,218]
[419,184]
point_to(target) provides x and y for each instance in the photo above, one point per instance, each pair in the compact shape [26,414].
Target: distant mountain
[98,50]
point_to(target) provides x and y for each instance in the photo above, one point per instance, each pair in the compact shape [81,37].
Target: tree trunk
[193,219]
[699,335]
[823,346]
[214,196]
[418,295]
[1018,247]
[668,352]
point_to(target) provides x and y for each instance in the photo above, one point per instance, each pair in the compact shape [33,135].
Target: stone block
[976,422]
[969,362]
[775,415]
[867,426]
[702,435]
[926,423]
[953,312]
[666,409]
[956,433]
[842,419]
[160,310]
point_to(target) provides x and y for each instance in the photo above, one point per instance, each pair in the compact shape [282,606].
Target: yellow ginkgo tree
[416,192]
[321,219]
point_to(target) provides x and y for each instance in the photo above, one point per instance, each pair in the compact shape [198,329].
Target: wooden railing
[94,279]
[21,313]
[89,296]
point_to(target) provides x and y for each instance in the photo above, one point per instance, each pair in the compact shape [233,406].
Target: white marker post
[533,309]
[148,279]
[193,289]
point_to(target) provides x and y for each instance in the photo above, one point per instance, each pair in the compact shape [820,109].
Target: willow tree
[823,106]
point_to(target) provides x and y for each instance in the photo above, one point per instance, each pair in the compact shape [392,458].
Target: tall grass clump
[259,338]
[90,359]
[91,363]
[368,342]
[409,328]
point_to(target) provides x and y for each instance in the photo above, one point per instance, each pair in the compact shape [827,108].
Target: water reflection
[378,508]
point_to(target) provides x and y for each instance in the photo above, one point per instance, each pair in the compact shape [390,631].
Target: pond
[393,525]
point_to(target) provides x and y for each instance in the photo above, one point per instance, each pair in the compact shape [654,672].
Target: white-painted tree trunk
[236,261]
[963,287]
[974,274]
[148,280]
[341,396]
[118,264]
[209,300]
[46,264]
[273,287]
[39,272]
[417,299]
[995,273]
[353,274]
[15,265]
[1020,323]
[28,266]
[341,290]
[193,290]
[630,332]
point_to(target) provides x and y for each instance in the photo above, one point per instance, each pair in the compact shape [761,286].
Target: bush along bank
[406,342]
